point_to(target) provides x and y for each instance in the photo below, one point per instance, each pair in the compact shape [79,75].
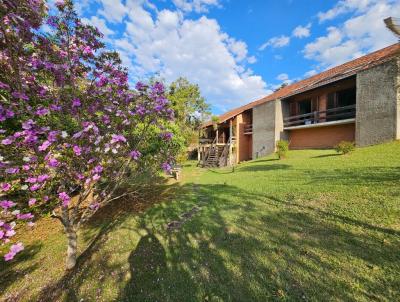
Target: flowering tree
[70,127]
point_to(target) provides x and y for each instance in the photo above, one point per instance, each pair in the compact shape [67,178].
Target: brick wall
[321,137]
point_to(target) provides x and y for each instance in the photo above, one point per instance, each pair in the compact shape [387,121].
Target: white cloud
[362,33]
[113,10]
[310,73]
[276,42]
[198,6]
[282,77]
[252,60]
[302,31]
[345,6]
[168,44]
[278,57]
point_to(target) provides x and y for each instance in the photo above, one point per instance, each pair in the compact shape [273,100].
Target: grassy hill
[313,227]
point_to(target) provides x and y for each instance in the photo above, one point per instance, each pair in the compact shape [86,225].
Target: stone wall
[377,108]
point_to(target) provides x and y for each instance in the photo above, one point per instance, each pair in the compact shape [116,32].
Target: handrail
[207,154]
[319,112]
[321,116]
[248,129]
[224,154]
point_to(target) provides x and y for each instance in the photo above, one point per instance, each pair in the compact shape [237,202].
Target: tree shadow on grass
[147,264]
[333,216]
[356,176]
[237,249]
[327,155]
[263,168]
[260,256]
[9,273]
[265,160]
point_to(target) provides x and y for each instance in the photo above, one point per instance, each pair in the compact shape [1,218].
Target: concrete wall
[377,108]
[321,137]
[267,127]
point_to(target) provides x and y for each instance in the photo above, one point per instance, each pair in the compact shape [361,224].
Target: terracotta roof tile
[331,75]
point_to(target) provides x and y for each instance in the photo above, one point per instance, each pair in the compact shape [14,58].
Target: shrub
[345,147]
[282,148]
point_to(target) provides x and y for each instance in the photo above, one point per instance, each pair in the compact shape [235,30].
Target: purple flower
[158,88]
[43,177]
[52,136]
[35,187]
[44,146]
[134,154]
[94,206]
[52,21]
[77,150]
[42,111]
[65,199]
[26,216]
[76,103]
[96,177]
[115,138]
[6,204]
[27,125]
[31,201]
[9,113]
[7,141]
[55,107]
[4,86]
[12,170]
[60,3]
[98,169]
[167,136]
[140,86]
[31,180]
[5,187]
[102,81]
[20,95]
[166,167]
[53,163]
[15,249]
[87,50]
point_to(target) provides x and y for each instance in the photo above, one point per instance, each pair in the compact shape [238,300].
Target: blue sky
[238,51]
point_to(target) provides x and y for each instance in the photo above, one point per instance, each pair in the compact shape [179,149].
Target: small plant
[345,147]
[282,147]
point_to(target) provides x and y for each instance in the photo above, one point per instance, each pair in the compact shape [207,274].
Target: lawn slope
[313,227]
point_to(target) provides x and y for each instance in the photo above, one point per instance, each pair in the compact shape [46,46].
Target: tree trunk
[72,248]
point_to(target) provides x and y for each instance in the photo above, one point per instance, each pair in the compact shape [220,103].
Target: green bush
[282,147]
[345,147]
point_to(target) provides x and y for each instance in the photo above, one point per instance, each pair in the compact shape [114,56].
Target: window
[342,98]
[346,97]
[304,107]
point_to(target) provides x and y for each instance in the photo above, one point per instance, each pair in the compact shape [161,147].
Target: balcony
[248,129]
[326,117]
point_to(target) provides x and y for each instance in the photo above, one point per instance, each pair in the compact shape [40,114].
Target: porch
[321,118]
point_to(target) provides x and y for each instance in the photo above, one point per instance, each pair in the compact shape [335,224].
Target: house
[357,101]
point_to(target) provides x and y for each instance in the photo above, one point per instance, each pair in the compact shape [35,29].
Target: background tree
[190,108]
[71,130]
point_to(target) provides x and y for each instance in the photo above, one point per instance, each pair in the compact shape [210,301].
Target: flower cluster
[68,119]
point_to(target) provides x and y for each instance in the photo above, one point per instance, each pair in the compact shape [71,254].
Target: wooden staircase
[213,158]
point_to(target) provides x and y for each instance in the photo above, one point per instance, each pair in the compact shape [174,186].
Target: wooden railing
[248,129]
[317,117]
[213,146]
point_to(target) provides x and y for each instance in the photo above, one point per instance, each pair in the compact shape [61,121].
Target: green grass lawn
[313,227]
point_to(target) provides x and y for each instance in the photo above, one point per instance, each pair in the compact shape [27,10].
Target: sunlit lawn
[313,227]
